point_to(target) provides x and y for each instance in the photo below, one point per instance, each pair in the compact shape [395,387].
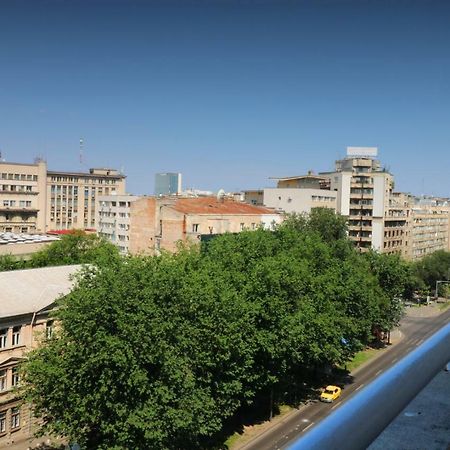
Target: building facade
[297,194]
[72,196]
[26,299]
[22,197]
[363,194]
[113,219]
[429,226]
[160,223]
[34,200]
[167,184]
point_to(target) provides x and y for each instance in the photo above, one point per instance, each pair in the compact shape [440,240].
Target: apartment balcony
[360,227]
[361,238]
[356,184]
[364,196]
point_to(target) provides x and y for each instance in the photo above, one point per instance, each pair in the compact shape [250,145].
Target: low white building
[113,219]
[299,200]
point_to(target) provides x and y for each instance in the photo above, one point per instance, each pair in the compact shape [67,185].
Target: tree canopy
[76,247]
[160,352]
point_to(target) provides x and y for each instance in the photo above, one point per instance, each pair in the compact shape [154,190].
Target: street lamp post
[437,285]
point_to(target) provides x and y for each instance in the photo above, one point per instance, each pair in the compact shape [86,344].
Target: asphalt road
[414,330]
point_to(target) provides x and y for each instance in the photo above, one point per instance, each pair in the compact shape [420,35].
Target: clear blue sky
[229,93]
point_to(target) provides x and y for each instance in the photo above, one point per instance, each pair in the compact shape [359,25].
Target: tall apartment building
[113,219]
[26,299]
[364,196]
[167,184]
[22,197]
[429,228]
[34,200]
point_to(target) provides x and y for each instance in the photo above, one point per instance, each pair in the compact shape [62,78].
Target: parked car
[330,393]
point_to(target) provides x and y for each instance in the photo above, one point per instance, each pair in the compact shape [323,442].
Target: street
[415,329]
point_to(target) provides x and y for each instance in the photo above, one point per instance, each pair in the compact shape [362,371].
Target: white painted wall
[298,200]
[379,187]
[344,207]
[377,234]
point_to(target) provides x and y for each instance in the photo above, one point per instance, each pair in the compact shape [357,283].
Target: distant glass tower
[167,184]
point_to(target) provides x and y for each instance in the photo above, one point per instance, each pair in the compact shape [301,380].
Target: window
[2,380]
[195,227]
[3,335]
[253,226]
[15,418]
[241,226]
[49,329]
[16,335]
[15,376]
[2,421]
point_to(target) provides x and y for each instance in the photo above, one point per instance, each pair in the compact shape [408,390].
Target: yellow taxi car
[330,393]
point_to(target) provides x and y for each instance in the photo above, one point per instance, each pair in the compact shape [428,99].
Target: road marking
[379,372]
[309,426]
[334,406]
[359,387]
[395,359]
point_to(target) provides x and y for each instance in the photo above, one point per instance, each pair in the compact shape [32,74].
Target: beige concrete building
[429,226]
[72,196]
[397,225]
[113,219]
[26,299]
[22,197]
[363,194]
[34,200]
[160,223]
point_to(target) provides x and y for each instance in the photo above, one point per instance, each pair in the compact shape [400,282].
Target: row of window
[14,420]
[85,180]
[56,189]
[16,188]
[18,177]
[22,216]
[322,198]
[17,229]
[15,336]
[14,203]
[114,204]
[123,215]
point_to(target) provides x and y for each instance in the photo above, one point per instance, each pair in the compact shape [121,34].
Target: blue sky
[229,93]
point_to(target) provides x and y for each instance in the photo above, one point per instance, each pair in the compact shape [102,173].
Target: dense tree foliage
[73,248]
[432,268]
[159,352]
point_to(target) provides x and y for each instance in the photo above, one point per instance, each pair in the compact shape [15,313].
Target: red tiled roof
[210,205]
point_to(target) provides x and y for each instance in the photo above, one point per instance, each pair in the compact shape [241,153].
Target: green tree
[9,262]
[432,268]
[160,352]
[75,248]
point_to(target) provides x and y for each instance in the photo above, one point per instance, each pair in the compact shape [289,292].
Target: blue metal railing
[355,424]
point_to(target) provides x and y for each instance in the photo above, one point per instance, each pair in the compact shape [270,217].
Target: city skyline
[228,94]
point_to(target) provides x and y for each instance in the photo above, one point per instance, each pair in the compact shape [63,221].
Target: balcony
[356,423]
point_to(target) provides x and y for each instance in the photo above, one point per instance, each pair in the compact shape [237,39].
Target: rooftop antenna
[81,152]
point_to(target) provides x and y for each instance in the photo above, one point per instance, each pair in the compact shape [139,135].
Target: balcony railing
[356,423]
